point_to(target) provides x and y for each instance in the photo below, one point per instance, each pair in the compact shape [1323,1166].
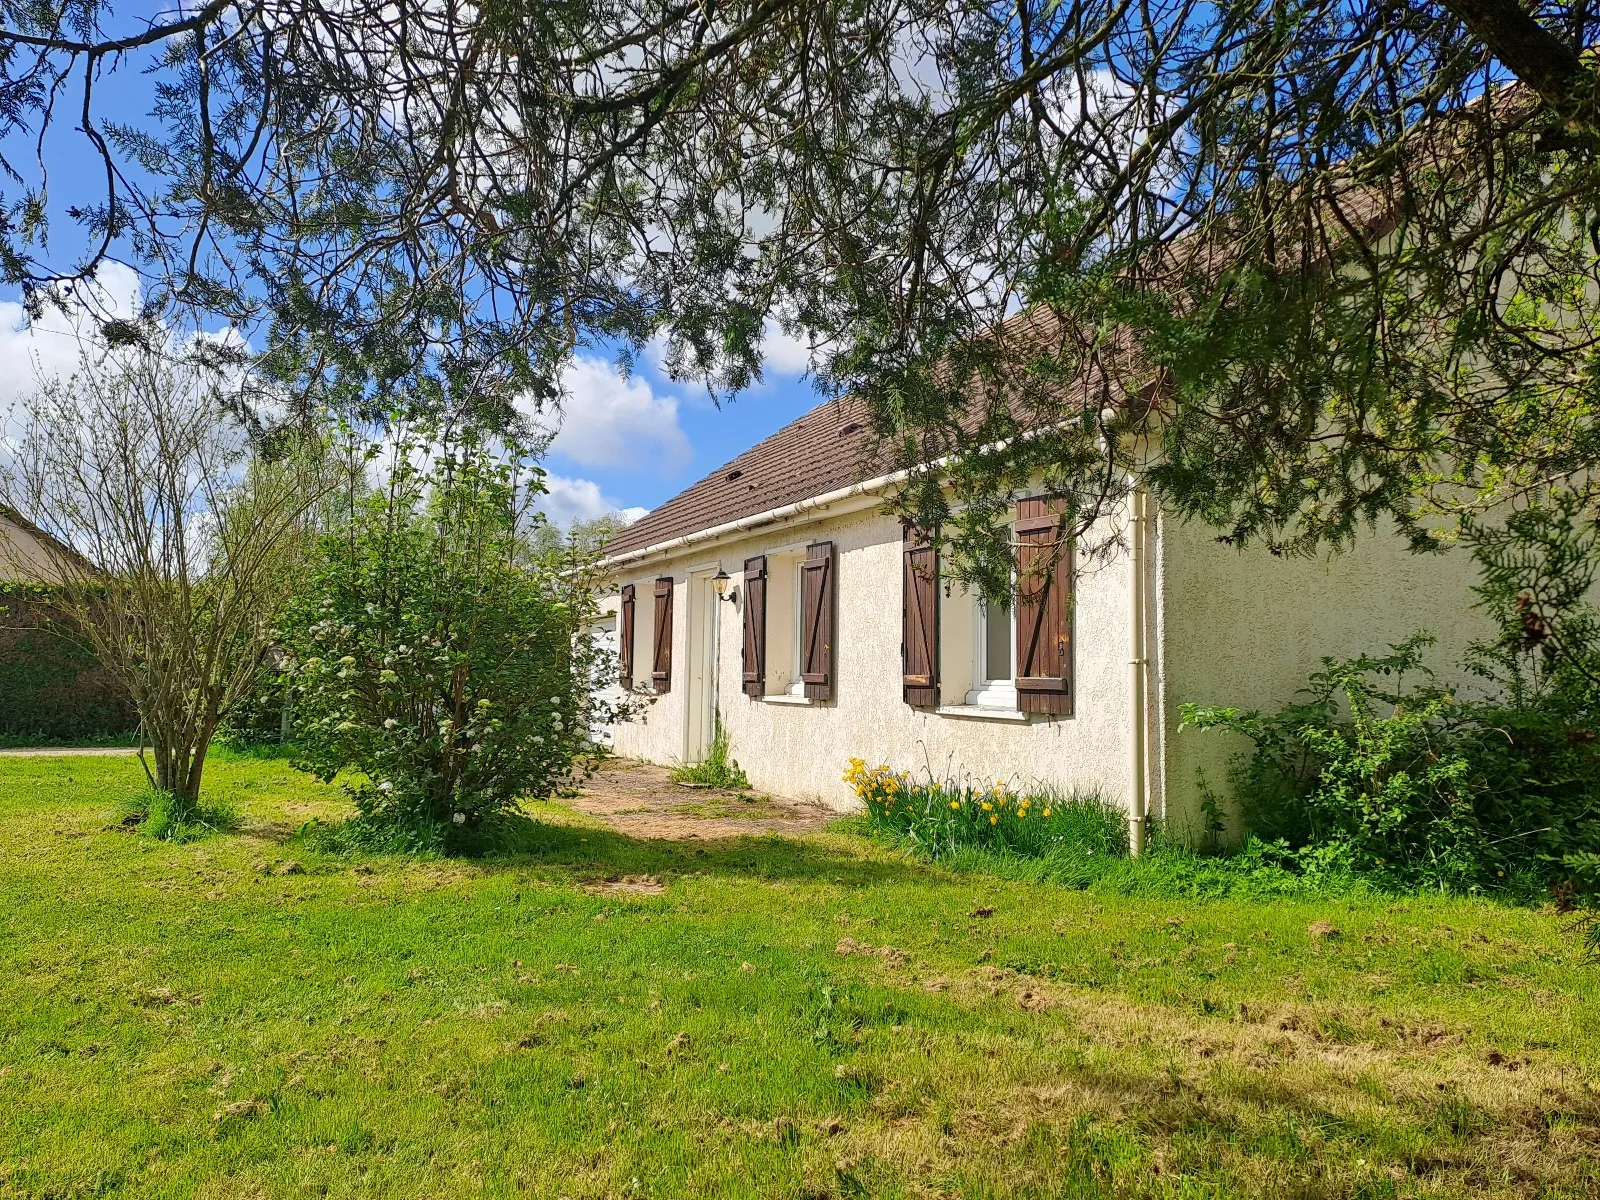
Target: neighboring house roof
[30,554]
[827,448]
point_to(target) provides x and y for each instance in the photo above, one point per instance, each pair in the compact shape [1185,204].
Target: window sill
[786,698]
[980,712]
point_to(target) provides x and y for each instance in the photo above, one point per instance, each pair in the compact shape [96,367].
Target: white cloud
[52,345]
[609,421]
[782,353]
[568,500]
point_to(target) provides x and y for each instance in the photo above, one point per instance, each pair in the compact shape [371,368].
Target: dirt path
[638,799]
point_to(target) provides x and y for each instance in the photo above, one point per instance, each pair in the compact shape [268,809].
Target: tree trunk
[191,780]
[179,767]
[1535,55]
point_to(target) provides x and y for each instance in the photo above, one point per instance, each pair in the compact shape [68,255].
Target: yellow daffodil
[987,806]
[994,819]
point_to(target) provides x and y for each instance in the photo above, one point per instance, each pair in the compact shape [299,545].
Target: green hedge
[51,687]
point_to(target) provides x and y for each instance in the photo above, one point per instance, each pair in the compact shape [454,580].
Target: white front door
[699,725]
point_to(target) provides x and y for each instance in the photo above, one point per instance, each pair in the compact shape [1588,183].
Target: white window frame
[644,635]
[781,560]
[987,692]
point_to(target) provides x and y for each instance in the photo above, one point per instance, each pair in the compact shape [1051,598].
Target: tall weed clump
[1383,772]
[718,769]
[172,818]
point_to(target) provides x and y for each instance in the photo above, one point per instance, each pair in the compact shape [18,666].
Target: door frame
[703,629]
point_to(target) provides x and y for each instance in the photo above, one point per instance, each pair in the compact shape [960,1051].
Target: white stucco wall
[1246,629]
[801,749]
[1225,626]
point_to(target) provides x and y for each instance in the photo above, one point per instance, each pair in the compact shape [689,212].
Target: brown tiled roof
[830,447]
[826,449]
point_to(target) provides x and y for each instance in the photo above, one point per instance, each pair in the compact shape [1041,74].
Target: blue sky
[643,439]
[624,444]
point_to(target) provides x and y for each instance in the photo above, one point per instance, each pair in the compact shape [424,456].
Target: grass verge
[597,1016]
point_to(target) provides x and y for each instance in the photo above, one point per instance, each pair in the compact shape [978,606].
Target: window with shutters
[785,602]
[636,635]
[1010,660]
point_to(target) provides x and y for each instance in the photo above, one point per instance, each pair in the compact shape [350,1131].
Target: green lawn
[817,1018]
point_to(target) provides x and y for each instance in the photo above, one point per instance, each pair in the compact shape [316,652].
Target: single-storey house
[780,593]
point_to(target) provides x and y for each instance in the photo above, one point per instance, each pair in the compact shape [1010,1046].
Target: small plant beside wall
[718,769]
[1382,772]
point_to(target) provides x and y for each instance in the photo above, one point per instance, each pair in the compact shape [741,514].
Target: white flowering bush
[442,669]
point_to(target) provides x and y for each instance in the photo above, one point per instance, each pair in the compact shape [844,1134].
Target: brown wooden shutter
[661,665]
[755,626]
[816,632]
[919,619]
[625,640]
[1044,607]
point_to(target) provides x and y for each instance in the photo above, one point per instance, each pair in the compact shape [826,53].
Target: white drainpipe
[1138,667]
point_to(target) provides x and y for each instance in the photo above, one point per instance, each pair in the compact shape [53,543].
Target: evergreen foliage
[1310,264]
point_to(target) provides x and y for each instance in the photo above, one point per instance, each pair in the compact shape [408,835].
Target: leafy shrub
[718,769]
[1382,772]
[1361,777]
[940,818]
[442,668]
